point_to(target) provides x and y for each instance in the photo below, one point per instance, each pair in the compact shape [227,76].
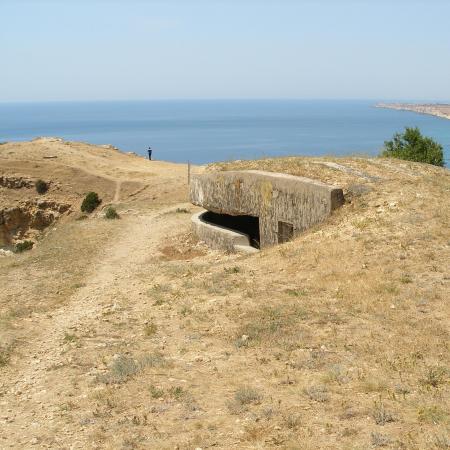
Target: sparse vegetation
[442,441]
[41,186]
[121,369]
[432,414]
[247,395]
[156,392]
[90,202]
[318,393]
[125,367]
[380,414]
[412,146]
[434,377]
[150,329]
[317,330]
[21,247]
[177,392]
[296,292]
[406,278]
[292,421]
[380,440]
[232,270]
[68,337]
[111,213]
[4,356]
[272,325]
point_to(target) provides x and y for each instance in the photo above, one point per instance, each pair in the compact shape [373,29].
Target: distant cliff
[438,110]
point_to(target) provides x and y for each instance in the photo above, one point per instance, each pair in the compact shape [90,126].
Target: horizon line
[231,99]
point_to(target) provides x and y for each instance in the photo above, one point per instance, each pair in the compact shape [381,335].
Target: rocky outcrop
[16,182]
[28,219]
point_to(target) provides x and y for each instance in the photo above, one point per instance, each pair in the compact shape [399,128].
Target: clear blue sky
[137,49]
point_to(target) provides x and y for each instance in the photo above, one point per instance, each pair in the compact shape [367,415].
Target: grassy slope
[336,340]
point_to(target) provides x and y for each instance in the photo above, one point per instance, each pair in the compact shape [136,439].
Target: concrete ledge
[220,237]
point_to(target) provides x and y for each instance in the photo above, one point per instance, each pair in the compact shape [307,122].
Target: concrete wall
[220,237]
[273,197]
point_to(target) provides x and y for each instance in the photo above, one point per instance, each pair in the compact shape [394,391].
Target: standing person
[150,153]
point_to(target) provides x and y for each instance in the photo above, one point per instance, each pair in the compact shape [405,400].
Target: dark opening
[285,232]
[243,224]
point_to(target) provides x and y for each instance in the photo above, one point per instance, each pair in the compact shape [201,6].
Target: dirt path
[34,391]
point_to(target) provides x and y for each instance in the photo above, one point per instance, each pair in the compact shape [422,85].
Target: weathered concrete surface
[282,202]
[219,237]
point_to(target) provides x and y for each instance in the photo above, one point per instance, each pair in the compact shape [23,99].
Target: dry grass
[338,340]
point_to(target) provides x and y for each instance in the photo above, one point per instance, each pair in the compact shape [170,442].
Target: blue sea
[215,130]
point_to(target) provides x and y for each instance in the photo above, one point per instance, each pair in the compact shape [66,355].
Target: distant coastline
[204,132]
[436,109]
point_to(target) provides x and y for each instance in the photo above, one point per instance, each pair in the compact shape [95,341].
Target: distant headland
[433,109]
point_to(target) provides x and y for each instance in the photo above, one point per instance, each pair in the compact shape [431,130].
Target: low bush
[90,202]
[412,146]
[125,367]
[4,357]
[247,395]
[150,329]
[318,393]
[41,187]
[23,246]
[381,415]
[111,213]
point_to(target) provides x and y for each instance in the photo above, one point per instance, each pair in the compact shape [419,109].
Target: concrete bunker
[248,225]
[248,210]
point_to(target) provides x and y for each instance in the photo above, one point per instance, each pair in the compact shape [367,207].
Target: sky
[56,50]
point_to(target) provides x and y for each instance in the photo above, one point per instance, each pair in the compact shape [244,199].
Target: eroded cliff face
[28,219]
[25,218]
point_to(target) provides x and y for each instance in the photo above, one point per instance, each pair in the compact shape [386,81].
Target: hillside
[71,169]
[131,334]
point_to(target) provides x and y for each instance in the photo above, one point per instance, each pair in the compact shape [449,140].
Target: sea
[204,131]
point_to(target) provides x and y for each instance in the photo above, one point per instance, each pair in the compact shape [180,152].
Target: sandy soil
[130,334]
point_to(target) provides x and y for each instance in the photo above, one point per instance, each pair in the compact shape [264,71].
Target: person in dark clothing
[150,153]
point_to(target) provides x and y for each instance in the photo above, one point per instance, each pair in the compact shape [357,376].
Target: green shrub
[90,202]
[41,187]
[412,146]
[4,356]
[23,246]
[111,213]
[150,329]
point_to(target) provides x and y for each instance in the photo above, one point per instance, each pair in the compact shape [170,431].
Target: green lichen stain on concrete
[266,190]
